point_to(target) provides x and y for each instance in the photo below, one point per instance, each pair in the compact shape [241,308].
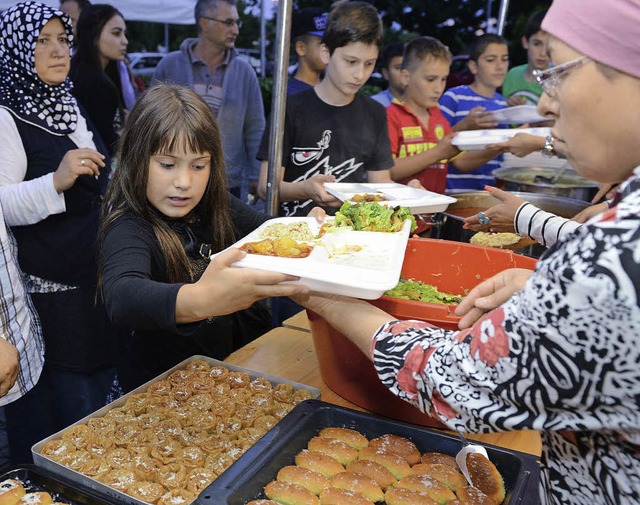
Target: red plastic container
[453,267]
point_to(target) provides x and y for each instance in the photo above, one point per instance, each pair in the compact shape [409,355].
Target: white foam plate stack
[473,140]
[419,201]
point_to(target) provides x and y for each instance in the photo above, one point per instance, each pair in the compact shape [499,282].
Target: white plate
[366,273]
[419,201]
[519,114]
[473,140]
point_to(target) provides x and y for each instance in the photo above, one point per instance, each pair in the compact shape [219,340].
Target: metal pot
[473,201]
[570,185]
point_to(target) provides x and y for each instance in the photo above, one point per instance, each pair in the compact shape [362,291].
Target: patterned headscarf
[22,92]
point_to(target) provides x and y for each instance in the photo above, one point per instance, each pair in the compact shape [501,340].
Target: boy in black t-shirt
[331,132]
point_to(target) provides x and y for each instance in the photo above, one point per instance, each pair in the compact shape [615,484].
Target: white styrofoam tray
[333,266]
[470,140]
[120,497]
[518,114]
[419,201]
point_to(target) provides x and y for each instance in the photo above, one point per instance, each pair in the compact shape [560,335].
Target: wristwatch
[547,150]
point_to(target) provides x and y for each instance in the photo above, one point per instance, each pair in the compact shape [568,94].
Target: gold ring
[82,162]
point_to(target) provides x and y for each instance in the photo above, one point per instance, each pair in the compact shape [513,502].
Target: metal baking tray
[74,476]
[245,479]
[61,489]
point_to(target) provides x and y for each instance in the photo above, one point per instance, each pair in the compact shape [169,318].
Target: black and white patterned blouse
[561,356]
[22,92]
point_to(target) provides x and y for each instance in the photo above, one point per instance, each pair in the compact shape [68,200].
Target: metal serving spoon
[554,178]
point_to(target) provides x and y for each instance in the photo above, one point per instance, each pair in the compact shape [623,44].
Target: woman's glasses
[549,79]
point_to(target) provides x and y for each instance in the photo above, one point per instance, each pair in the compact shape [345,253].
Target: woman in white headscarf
[54,173]
[555,350]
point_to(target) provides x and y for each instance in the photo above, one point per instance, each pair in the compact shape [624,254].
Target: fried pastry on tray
[289,493]
[439,458]
[485,476]
[11,490]
[337,449]
[314,481]
[337,496]
[444,473]
[352,437]
[397,445]
[358,482]
[435,489]
[374,470]
[469,495]
[395,463]
[319,462]
[402,496]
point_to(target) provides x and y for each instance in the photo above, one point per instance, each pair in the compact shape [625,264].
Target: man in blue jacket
[211,66]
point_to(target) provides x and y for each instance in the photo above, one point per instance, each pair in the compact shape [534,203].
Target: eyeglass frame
[227,22]
[550,78]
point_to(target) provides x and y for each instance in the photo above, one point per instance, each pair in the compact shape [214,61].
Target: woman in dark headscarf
[54,173]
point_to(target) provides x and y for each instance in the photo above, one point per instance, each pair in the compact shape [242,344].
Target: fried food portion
[283,247]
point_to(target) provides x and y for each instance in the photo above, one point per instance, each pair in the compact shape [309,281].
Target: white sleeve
[23,202]
[543,227]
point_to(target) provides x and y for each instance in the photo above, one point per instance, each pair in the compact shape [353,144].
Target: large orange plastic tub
[452,267]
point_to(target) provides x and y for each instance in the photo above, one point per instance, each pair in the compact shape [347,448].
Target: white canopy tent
[156,11]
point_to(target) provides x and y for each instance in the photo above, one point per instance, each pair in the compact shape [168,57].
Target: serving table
[288,352]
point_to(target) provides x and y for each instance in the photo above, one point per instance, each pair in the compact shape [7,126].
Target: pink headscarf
[606,30]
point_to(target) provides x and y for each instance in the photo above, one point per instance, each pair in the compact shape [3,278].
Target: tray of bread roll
[30,485]
[166,441]
[322,453]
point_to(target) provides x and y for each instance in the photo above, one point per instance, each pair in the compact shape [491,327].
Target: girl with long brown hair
[166,211]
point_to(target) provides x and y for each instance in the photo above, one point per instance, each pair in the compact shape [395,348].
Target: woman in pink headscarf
[555,350]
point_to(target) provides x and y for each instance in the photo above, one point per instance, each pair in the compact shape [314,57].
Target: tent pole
[278,104]
[263,36]
[502,16]
[166,37]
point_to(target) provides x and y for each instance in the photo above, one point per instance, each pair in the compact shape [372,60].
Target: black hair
[534,24]
[90,25]
[479,45]
[352,21]
[81,3]
[390,52]
[422,48]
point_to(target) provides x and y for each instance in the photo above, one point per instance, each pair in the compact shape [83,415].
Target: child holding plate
[166,211]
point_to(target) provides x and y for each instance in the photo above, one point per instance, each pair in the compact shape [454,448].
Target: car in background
[144,64]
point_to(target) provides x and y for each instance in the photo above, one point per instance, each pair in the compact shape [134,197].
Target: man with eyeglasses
[210,65]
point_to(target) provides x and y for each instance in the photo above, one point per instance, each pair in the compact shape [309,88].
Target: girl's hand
[501,215]
[223,289]
[75,163]
[490,294]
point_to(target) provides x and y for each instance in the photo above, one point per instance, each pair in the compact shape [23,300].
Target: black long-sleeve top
[139,297]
